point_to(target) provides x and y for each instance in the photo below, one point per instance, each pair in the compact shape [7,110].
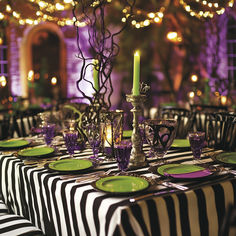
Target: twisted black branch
[102,45]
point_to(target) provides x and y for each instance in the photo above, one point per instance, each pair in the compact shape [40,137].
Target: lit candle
[136,73]
[95,75]
[108,136]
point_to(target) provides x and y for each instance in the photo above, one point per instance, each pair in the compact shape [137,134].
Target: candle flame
[137,53]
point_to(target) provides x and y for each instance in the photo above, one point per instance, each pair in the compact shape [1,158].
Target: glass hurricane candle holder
[112,130]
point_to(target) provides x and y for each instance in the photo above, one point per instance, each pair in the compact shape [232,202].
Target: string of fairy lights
[45,11]
[206,9]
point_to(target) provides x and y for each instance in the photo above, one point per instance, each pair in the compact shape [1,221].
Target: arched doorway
[46,66]
[43,52]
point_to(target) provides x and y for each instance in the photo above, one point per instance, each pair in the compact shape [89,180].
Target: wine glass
[197,142]
[93,133]
[122,153]
[160,134]
[42,119]
[71,141]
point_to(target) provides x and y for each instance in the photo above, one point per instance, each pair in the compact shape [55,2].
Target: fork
[92,177]
[167,183]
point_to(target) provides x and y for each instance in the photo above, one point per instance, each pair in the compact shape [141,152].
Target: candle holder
[137,157]
[112,129]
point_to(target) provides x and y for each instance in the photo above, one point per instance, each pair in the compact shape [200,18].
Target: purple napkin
[192,175]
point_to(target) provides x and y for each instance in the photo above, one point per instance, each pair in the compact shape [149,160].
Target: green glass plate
[161,169]
[180,143]
[121,184]
[36,152]
[14,143]
[127,133]
[226,157]
[70,165]
[178,169]
[183,169]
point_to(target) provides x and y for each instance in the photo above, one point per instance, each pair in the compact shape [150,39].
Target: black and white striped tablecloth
[65,208]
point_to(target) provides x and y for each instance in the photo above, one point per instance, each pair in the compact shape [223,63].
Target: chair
[4,127]
[221,131]
[183,116]
[15,225]
[172,111]
[208,108]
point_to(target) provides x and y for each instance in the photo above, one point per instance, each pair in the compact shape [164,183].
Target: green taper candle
[95,74]
[136,73]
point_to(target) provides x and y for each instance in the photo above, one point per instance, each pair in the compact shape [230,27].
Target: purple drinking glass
[197,142]
[122,154]
[93,133]
[48,131]
[71,141]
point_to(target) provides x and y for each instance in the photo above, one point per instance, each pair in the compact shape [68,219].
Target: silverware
[173,185]
[92,177]
[148,195]
[154,180]
[75,176]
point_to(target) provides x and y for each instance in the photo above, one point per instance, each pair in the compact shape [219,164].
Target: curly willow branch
[102,45]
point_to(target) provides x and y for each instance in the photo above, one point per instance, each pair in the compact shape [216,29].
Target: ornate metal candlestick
[137,157]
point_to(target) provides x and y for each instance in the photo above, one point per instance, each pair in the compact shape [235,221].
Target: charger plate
[180,143]
[70,165]
[228,158]
[14,143]
[121,184]
[36,152]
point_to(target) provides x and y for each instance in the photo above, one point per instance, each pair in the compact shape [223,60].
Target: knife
[153,194]
[173,185]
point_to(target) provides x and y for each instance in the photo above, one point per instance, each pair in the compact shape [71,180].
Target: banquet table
[60,206]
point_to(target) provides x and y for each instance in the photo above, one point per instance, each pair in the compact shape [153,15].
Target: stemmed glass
[197,142]
[93,133]
[160,134]
[71,141]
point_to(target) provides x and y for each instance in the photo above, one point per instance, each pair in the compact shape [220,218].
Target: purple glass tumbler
[48,131]
[71,141]
[122,154]
[197,142]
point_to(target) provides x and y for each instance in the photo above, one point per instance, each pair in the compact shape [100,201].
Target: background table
[63,207]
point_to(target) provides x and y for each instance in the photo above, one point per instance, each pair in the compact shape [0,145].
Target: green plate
[180,143]
[121,184]
[161,169]
[127,133]
[183,169]
[14,143]
[178,168]
[36,152]
[226,157]
[70,165]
